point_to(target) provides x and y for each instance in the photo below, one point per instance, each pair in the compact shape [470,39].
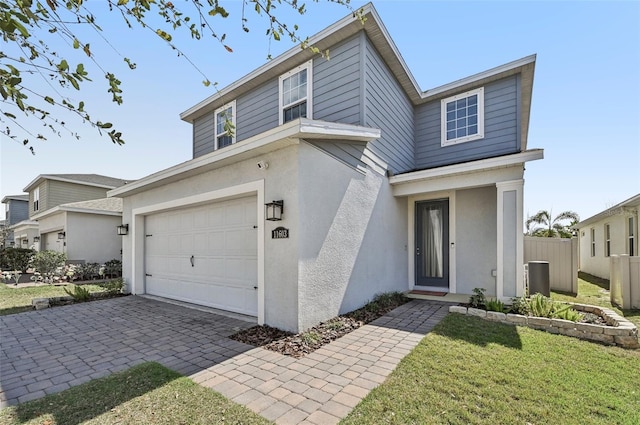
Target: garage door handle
[192,261]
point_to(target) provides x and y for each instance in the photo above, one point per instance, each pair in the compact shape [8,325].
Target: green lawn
[145,394]
[17,300]
[471,371]
[595,291]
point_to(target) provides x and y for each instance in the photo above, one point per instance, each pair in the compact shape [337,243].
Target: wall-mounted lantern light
[61,235]
[36,238]
[275,210]
[12,243]
[25,241]
[123,229]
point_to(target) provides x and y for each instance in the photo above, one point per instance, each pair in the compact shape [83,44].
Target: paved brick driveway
[44,352]
[47,351]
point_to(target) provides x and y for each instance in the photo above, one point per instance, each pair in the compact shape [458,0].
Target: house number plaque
[280,233]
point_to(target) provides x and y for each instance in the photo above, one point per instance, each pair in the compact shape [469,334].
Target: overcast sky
[585,110]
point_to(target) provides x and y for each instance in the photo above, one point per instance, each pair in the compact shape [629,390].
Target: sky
[585,110]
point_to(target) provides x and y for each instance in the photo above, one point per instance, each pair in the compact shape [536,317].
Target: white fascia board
[24,224]
[62,208]
[480,77]
[634,201]
[468,167]
[290,133]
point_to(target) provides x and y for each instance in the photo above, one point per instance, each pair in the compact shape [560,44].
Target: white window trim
[631,236]
[36,199]
[592,236]
[607,240]
[231,105]
[443,118]
[309,67]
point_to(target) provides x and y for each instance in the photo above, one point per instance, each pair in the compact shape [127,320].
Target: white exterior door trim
[411,242]
[138,230]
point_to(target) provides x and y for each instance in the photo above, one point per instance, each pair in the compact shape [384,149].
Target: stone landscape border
[618,330]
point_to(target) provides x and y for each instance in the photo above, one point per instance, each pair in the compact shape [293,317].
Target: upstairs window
[462,117]
[631,237]
[36,199]
[295,94]
[607,240]
[225,126]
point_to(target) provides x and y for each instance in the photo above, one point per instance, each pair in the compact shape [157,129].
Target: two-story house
[16,211]
[343,179]
[74,216]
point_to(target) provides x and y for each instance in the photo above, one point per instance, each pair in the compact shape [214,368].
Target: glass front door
[432,241]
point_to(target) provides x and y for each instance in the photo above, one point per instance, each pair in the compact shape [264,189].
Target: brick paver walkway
[51,350]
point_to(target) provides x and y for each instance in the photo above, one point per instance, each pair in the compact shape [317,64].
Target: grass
[595,291]
[18,300]
[470,371]
[145,394]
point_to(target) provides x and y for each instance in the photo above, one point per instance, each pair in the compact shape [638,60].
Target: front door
[432,241]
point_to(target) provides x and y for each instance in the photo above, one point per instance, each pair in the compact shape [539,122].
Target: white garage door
[205,255]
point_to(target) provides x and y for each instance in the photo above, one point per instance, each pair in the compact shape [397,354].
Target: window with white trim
[295,93]
[36,199]
[462,117]
[225,126]
[631,236]
[607,240]
[593,242]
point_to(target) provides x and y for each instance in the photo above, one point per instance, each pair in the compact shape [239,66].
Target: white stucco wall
[352,237]
[598,265]
[93,237]
[280,255]
[476,243]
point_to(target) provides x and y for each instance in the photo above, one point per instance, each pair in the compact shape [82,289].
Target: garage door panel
[222,238]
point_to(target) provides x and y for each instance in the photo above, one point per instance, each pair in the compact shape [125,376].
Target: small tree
[552,228]
[46,263]
[16,259]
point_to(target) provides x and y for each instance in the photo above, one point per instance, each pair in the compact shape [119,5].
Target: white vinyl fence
[562,255]
[624,278]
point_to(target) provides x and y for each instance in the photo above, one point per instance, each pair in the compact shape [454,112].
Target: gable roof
[380,38]
[631,203]
[95,180]
[104,206]
[24,197]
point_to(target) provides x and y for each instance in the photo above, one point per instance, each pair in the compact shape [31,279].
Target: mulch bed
[298,345]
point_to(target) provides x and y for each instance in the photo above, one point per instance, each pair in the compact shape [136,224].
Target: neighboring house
[385,187]
[85,231]
[16,210]
[613,231]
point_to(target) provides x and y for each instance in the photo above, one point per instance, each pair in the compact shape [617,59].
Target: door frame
[411,240]
[137,230]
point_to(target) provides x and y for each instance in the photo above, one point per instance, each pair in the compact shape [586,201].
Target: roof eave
[634,201]
[270,140]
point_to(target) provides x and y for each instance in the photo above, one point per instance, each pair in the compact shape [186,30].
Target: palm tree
[552,228]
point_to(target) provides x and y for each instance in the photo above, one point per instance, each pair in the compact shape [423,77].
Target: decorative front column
[510,268]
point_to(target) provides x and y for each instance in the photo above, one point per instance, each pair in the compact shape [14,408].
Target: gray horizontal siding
[350,154]
[388,108]
[257,111]
[336,84]
[18,211]
[203,135]
[65,192]
[500,129]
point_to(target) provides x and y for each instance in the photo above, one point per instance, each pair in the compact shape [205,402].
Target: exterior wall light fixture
[61,235]
[123,229]
[36,238]
[275,210]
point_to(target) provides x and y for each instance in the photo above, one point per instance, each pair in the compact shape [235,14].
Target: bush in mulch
[298,345]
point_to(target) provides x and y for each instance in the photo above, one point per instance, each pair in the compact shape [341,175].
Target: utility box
[539,278]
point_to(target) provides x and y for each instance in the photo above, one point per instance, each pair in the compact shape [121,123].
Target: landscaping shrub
[88,271]
[113,268]
[478,299]
[520,306]
[47,264]
[495,305]
[113,287]
[79,294]
[16,259]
